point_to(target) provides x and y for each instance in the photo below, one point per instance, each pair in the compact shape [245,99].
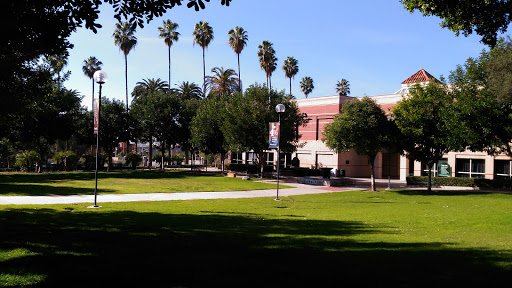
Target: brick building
[314,153]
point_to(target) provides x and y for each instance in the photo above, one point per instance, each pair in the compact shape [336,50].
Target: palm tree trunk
[239,80]
[92,107]
[204,76]
[290,86]
[169,67]
[126,78]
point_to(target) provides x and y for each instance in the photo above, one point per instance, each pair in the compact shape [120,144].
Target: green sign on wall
[444,170]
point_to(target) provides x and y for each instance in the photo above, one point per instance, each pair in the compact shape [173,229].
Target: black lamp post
[101,78]
[279,109]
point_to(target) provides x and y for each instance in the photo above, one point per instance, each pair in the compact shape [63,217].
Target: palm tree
[91,65]
[203,35]
[238,40]
[148,87]
[57,62]
[291,68]
[306,85]
[223,81]
[266,54]
[343,87]
[125,39]
[189,90]
[170,36]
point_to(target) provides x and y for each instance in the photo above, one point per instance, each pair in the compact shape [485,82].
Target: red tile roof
[420,76]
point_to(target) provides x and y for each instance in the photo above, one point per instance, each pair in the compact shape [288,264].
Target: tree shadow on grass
[131,249]
[45,190]
[61,176]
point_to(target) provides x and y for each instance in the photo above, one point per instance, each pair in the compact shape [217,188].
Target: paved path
[300,189]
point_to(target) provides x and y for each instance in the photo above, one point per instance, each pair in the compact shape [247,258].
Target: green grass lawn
[154,181]
[400,238]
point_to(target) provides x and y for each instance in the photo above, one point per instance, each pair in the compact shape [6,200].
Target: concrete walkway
[300,189]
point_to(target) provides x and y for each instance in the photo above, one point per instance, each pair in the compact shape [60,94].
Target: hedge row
[461,181]
[255,169]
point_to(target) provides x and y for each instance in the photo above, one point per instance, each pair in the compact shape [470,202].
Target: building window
[424,167]
[270,159]
[472,168]
[251,158]
[502,169]
[236,158]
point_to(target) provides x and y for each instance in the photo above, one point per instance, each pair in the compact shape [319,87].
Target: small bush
[461,181]
[133,159]
[26,159]
[68,159]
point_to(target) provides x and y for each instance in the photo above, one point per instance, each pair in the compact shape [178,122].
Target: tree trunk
[239,79]
[169,67]
[429,184]
[150,152]
[92,107]
[262,163]
[126,78]
[372,173]
[290,86]
[162,150]
[204,76]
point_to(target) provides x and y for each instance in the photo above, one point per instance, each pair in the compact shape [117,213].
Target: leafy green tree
[486,18]
[170,35]
[423,119]
[124,37]
[237,41]
[268,60]
[147,95]
[91,65]
[223,81]
[206,128]
[343,87]
[364,127]
[291,68]
[246,125]
[482,116]
[115,126]
[203,35]
[306,85]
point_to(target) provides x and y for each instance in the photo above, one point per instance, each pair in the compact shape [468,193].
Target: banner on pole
[96,115]
[273,135]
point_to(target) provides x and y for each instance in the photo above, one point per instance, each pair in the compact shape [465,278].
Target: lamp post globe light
[280,108]
[101,78]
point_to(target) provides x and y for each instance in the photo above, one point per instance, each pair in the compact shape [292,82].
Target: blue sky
[375,44]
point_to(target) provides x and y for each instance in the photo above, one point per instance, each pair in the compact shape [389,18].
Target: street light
[101,78]
[279,109]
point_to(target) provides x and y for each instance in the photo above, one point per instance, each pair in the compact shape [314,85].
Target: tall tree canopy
[203,35]
[170,35]
[246,125]
[237,41]
[91,65]
[306,85]
[222,82]
[124,37]
[424,120]
[290,68]
[268,60]
[364,127]
[486,18]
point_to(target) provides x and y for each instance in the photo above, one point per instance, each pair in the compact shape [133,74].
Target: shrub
[461,181]
[26,159]
[133,159]
[68,159]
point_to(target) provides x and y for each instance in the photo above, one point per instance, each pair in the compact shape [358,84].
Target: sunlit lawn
[400,238]
[121,182]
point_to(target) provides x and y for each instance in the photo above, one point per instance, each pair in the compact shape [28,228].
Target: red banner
[96,115]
